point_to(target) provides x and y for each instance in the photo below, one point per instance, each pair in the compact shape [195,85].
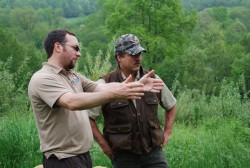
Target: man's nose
[78,53]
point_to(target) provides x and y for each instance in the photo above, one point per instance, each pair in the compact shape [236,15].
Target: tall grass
[194,105]
[213,140]
[19,143]
[215,144]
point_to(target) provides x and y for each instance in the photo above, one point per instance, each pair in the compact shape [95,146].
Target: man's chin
[71,66]
[137,66]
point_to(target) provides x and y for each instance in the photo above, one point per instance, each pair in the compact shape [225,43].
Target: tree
[162,26]
[7,87]
[22,58]
[241,13]
[25,18]
[241,67]
[246,42]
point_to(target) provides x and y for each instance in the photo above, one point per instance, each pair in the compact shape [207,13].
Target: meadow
[211,132]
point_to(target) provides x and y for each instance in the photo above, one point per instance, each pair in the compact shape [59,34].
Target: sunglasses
[75,47]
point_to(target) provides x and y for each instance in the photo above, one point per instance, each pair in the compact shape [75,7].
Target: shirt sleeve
[47,87]
[167,98]
[87,84]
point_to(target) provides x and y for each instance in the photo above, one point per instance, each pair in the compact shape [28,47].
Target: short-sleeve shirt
[167,98]
[62,132]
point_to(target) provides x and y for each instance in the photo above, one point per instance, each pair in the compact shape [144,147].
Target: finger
[134,85]
[154,91]
[151,73]
[155,80]
[135,97]
[158,87]
[129,79]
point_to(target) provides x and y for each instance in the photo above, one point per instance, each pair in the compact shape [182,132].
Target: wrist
[168,131]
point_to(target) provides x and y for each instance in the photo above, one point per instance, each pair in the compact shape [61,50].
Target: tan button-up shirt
[62,132]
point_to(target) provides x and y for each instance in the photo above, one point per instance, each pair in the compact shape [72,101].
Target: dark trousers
[79,161]
[154,159]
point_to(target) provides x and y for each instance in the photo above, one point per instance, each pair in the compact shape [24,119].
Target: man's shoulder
[43,76]
[108,75]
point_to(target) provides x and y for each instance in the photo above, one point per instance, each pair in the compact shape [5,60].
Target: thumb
[151,73]
[129,79]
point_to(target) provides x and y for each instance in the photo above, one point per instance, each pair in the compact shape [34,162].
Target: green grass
[224,145]
[216,142]
[19,144]
[209,132]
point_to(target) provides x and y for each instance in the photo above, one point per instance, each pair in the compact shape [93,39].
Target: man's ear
[119,57]
[58,47]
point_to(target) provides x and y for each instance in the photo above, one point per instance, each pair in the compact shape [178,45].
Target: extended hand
[151,84]
[125,90]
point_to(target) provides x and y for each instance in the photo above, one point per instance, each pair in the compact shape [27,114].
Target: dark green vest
[127,128]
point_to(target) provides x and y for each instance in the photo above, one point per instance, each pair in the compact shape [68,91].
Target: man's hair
[53,37]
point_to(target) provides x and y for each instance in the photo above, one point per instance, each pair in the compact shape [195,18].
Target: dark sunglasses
[75,47]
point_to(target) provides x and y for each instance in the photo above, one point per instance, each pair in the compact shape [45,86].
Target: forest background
[200,48]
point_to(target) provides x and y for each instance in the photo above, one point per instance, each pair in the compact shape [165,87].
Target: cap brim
[135,50]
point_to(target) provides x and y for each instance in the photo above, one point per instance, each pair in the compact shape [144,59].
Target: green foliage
[7,87]
[241,13]
[163,28]
[213,50]
[19,140]
[218,143]
[25,18]
[72,8]
[194,105]
[95,67]
[98,158]
[96,40]
[10,48]
[202,4]
[246,42]
[241,67]
[157,24]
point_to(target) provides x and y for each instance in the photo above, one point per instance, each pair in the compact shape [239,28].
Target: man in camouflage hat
[132,136]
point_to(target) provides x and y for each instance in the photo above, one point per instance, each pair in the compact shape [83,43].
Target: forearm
[101,140]
[96,133]
[81,101]
[103,93]
[169,119]
[105,86]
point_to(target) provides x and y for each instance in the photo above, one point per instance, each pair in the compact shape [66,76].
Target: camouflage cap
[128,43]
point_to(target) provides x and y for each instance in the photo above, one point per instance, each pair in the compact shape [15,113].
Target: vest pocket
[119,136]
[157,134]
[119,103]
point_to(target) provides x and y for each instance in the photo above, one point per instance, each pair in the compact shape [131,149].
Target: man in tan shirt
[59,95]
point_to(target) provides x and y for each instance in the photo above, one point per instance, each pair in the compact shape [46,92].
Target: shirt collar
[55,68]
[136,78]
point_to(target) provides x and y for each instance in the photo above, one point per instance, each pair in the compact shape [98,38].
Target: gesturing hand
[151,84]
